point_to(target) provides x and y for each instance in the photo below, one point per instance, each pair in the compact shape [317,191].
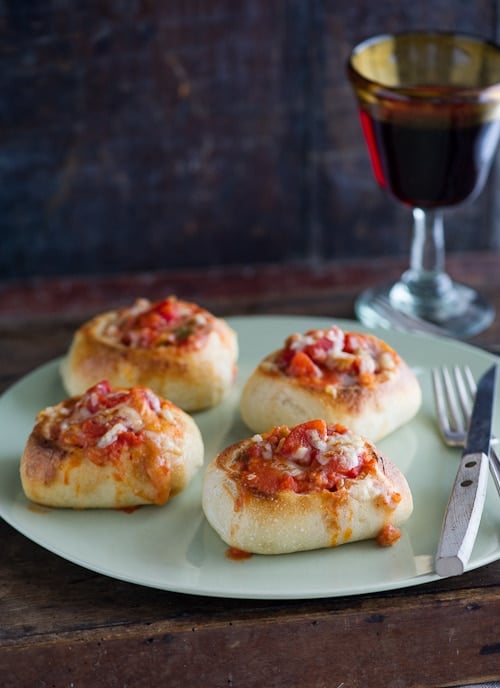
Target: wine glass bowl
[429,105]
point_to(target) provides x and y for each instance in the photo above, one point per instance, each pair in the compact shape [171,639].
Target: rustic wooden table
[62,625]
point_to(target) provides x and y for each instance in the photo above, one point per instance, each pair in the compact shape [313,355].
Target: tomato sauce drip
[236,554]
[388,535]
[130,509]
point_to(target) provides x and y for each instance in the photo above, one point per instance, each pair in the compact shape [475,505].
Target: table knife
[466,501]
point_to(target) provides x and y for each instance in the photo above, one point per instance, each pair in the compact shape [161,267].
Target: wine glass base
[463,316]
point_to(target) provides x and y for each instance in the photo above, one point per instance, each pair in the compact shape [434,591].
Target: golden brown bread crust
[146,465]
[272,397]
[288,521]
[192,377]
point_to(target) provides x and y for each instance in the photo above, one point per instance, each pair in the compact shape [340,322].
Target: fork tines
[453,394]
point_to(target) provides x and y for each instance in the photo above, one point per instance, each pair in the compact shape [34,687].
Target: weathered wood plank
[169,135]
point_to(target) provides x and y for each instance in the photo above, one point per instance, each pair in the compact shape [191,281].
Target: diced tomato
[301,365]
[99,397]
[284,357]
[319,350]
[337,428]
[351,342]
[353,472]
[92,429]
[93,396]
[264,477]
[130,438]
[113,452]
[168,309]
[142,329]
[300,436]
[150,320]
[102,388]
[165,323]
[300,445]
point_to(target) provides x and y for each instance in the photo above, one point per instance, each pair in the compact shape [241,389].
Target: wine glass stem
[427,249]
[426,279]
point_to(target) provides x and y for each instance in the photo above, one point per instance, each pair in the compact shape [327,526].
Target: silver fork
[454,395]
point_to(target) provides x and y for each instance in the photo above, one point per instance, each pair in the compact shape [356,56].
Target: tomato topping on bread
[332,356]
[166,323]
[310,486]
[110,447]
[311,456]
[178,349]
[351,378]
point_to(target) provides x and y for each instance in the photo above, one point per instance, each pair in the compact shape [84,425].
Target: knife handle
[463,515]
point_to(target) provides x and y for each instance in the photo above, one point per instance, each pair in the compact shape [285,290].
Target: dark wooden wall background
[159,134]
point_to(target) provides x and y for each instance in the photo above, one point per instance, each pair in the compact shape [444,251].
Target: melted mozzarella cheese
[387,361]
[111,435]
[367,360]
[120,418]
[130,417]
[345,448]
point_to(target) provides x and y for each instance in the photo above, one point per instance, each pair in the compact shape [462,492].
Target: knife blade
[466,501]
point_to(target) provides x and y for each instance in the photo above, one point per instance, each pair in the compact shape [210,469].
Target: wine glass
[429,105]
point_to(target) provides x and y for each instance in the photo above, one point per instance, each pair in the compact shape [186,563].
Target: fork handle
[463,514]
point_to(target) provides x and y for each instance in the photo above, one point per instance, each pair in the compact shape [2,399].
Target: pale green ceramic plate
[174,548]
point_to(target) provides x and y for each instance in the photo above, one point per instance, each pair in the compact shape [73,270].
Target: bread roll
[312,486]
[110,448]
[343,377]
[179,350]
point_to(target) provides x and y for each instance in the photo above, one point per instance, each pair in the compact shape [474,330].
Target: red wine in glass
[431,166]
[429,105]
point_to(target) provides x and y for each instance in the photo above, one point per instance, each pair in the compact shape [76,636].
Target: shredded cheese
[111,435]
